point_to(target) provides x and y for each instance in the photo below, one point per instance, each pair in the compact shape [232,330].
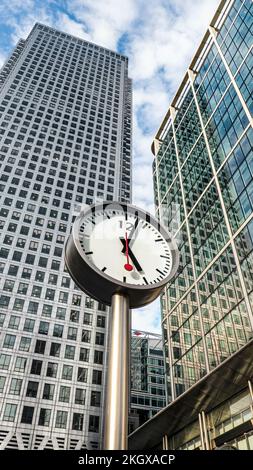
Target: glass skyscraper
[65,131]
[203,175]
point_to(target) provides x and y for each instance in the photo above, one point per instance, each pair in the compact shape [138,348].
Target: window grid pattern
[207,315]
[65,141]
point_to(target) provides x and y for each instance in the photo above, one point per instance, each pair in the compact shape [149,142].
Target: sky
[159,37]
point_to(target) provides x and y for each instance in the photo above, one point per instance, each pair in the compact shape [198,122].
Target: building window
[9,341]
[20,364]
[63,297]
[47,310]
[55,349]
[58,331]
[67,372]
[50,293]
[84,354]
[32,389]
[99,338]
[69,352]
[98,357]
[86,336]
[40,346]
[87,319]
[15,386]
[29,325]
[72,333]
[44,418]
[64,394]
[93,423]
[77,423]
[80,396]
[82,374]
[43,328]
[22,288]
[61,313]
[24,344]
[89,303]
[48,393]
[52,368]
[74,316]
[14,322]
[2,383]
[61,419]
[101,321]
[9,412]
[97,377]
[76,300]
[36,367]
[4,301]
[95,398]
[27,415]
[33,307]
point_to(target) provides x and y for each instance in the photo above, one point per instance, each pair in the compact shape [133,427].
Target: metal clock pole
[117,393]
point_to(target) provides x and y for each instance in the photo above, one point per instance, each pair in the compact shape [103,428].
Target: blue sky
[159,37]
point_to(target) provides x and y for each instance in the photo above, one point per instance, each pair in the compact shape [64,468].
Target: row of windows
[51,369]
[45,417]
[40,345]
[25,342]
[50,295]
[49,392]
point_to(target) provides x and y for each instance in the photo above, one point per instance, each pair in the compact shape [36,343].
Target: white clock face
[125,246]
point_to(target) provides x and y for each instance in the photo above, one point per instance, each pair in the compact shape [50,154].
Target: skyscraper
[203,174]
[65,128]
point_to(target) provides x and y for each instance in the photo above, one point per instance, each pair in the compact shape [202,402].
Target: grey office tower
[65,129]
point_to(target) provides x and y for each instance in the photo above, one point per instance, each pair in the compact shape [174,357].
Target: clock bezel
[97,283]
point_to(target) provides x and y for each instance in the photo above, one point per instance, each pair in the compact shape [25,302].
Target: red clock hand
[127,266]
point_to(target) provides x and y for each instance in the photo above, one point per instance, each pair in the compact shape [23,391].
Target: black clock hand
[131,255]
[130,236]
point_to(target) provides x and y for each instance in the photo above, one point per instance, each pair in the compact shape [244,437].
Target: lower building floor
[215,413]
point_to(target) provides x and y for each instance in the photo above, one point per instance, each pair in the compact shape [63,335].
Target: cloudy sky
[159,37]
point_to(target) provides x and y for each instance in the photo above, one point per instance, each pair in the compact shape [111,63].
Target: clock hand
[130,254]
[130,236]
[127,266]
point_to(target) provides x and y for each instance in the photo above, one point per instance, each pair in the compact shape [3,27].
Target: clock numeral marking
[124,278]
[104,269]
[160,272]
[129,225]
[159,240]
[145,280]
[163,256]
[89,253]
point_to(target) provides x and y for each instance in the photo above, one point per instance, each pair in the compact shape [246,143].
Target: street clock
[118,248]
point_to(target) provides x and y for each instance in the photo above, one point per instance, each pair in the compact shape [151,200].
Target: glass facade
[147,377]
[65,141]
[222,426]
[204,167]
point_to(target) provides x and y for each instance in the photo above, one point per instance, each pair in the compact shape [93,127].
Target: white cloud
[66,24]
[161,38]
[147,318]
[106,21]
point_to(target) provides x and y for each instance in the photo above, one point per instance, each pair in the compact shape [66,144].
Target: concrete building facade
[65,131]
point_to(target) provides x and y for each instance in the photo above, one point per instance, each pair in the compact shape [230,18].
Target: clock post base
[117,391]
